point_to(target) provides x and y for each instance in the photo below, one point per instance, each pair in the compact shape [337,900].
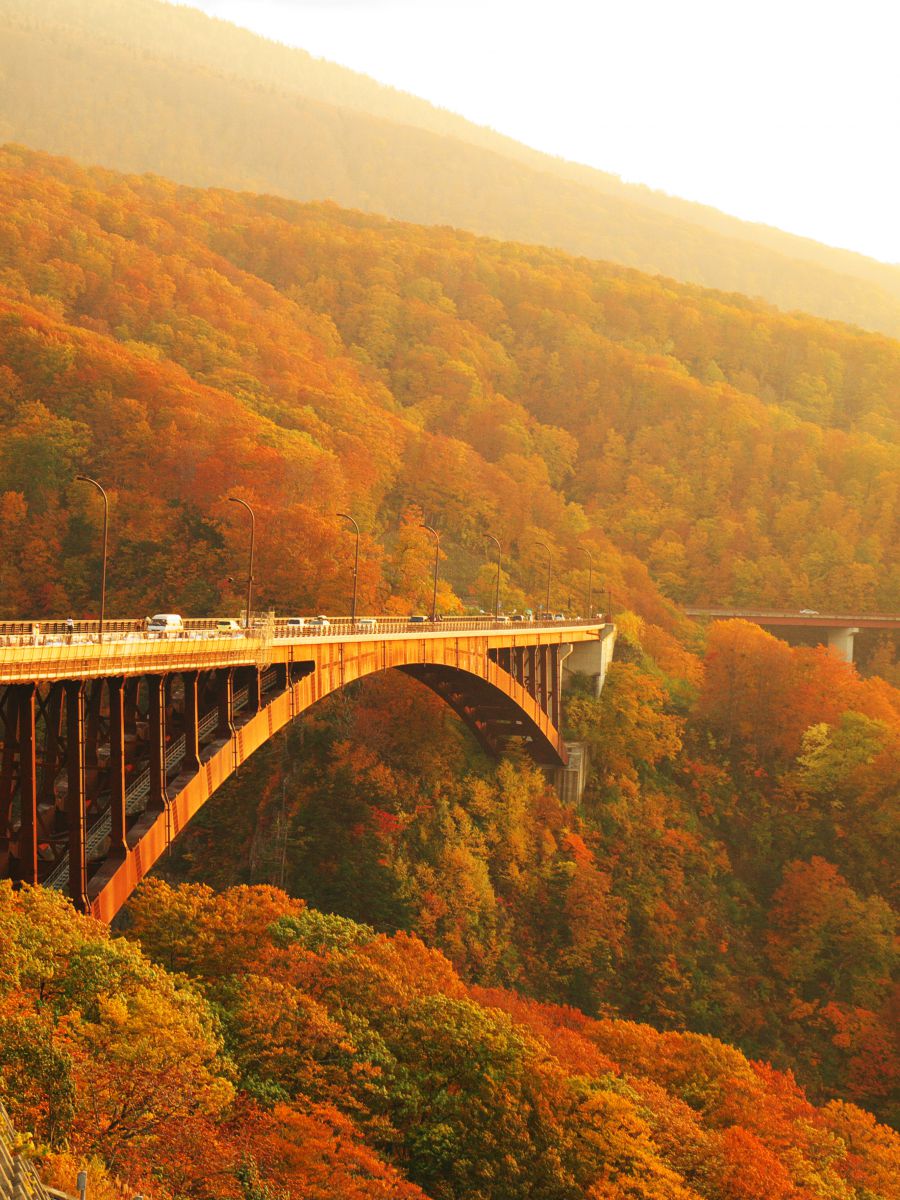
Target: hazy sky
[783,111]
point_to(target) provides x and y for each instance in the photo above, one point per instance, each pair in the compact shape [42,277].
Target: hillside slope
[184,343]
[245,1046]
[144,86]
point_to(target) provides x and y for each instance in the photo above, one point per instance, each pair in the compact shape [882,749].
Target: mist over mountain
[145,86]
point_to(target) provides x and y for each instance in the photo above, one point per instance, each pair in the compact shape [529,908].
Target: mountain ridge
[217,119]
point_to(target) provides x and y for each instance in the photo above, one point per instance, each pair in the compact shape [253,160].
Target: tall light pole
[584,550]
[94,483]
[437,554]
[497,585]
[544,546]
[347,517]
[244,504]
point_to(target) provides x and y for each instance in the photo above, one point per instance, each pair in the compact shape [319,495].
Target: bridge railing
[81,633]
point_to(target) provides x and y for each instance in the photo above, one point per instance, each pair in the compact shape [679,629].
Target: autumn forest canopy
[681,989]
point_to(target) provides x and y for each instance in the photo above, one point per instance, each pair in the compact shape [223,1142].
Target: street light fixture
[94,483]
[497,585]
[437,554]
[544,546]
[244,504]
[347,517]
[584,550]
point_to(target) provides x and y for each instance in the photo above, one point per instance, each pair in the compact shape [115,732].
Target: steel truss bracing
[99,773]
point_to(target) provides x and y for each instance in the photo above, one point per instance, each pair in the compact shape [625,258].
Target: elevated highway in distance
[109,748]
[839,628]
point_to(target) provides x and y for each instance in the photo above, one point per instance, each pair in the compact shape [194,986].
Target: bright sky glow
[781,111]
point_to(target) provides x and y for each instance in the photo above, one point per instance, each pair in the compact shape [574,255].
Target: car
[320,622]
[366,624]
[419,619]
[808,612]
[295,623]
[559,617]
[228,625]
[502,618]
[518,617]
[165,625]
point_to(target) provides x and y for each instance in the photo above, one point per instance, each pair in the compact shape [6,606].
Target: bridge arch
[501,689]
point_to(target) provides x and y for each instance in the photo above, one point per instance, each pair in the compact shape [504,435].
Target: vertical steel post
[544,546]
[52,729]
[437,554]
[554,709]
[28,838]
[225,700]
[191,761]
[94,483]
[118,846]
[159,796]
[254,690]
[347,517]
[75,796]
[496,542]
[237,500]
[590,603]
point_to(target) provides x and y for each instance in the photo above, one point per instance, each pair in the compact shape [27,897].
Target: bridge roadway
[109,749]
[840,628]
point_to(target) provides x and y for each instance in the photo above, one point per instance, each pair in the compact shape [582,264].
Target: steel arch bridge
[110,748]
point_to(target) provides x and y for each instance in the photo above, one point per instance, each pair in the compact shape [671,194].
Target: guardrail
[85,633]
[18,1178]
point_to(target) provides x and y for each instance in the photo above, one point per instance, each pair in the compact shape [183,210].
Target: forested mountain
[183,344]
[731,868]
[144,86]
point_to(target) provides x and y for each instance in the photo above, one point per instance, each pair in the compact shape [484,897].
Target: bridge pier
[591,658]
[841,642]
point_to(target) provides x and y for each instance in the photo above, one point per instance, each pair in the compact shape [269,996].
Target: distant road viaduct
[839,628]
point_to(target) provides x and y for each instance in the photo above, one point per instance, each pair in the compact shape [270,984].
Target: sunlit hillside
[245,1046]
[140,85]
[183,344]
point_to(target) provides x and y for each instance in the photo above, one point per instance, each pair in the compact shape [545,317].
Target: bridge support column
[159,796]
[28,833]
[554,699]
[76,748]
[592,658]
[225,698]
[254,690]
[570,780]
[191,761]
[52,714]
[118,844]
[530,670]
[841,642]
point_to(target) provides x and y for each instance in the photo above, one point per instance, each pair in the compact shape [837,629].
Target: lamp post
[584,550]
[497,584]
[244,504]
[347,517]
[437,553]
[94,483]
[544,546]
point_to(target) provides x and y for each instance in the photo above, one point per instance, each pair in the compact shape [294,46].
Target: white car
[318,622]
[366,624]
[165,625]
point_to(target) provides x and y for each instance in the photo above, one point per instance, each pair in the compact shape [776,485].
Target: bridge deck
[127,652]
